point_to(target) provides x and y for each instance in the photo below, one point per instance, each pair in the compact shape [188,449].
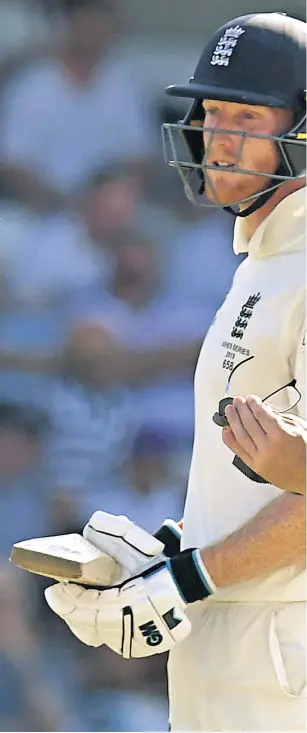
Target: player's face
[256,155]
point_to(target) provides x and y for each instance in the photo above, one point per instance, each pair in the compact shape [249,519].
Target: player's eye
[212,111]
[250,116]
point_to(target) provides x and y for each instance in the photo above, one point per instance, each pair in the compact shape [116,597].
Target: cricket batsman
[225,592]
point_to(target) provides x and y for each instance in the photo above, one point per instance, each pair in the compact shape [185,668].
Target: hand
[271,444]
[140,616]
[131,546]
[144,616]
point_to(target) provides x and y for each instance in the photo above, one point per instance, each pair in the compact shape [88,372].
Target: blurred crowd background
[109,280]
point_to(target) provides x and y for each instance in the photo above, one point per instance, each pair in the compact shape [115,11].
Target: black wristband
[188,575]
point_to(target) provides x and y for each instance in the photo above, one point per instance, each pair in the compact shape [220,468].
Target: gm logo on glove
[151,633]
[150,630]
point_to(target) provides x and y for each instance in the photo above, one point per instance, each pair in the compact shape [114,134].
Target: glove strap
[170,535]
[191,576]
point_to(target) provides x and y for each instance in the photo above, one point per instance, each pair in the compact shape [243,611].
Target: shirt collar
[283,230]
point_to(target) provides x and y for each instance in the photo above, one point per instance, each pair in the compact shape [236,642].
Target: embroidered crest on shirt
[226,45]
[237,332]
[245,314]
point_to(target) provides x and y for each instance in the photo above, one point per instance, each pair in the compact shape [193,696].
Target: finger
[231,442]
[103,528]
[250,422]
[241,435]
[62,597]
[264,414]
[88,635]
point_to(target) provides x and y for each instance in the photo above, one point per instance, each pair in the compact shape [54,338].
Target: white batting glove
[131,546]
[143,615]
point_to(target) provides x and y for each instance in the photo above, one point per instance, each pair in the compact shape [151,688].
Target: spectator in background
[201,260]
[123,357]
[23,494]
[34,695]
[126,366]
[49,258]
[157,315]
[155,488]
[92,429]
[24,30]
[65,115]
[121,697]
[140,338]
[156,339]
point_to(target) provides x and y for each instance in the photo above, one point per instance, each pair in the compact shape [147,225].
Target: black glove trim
[127,612]
[171,541]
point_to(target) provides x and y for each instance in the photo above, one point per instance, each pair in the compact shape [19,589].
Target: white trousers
[243,669]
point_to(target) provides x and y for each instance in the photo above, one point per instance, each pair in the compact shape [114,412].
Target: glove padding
[131,546]
[142,617]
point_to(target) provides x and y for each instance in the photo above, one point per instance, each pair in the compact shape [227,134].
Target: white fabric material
[263,316]
[281,232]
[241,669]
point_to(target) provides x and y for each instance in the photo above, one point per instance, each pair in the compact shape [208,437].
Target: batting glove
[170,534]
[141,616]
[131,546]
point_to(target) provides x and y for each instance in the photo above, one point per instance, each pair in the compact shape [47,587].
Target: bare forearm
[271,540]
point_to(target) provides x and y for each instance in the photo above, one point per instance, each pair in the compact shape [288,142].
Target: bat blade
[66,557]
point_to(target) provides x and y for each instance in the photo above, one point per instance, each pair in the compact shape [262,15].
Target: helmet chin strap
[261,199]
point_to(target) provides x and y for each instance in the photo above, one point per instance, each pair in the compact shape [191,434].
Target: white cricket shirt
[262,316]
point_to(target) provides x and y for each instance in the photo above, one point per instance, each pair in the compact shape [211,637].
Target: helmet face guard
[184,150]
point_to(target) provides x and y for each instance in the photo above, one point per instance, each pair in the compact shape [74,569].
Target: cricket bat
[66,557]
